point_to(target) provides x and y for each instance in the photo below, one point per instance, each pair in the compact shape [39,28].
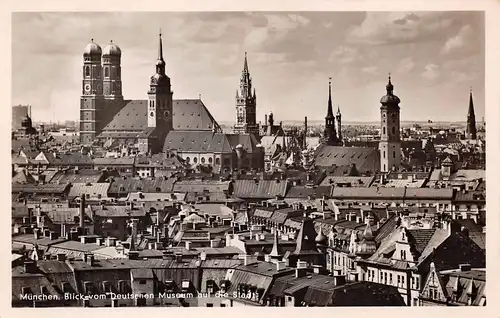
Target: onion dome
[320,238]
[92,49]
[111,50]
[389,98]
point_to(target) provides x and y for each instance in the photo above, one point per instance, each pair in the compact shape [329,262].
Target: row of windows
[98,73]
[393,130]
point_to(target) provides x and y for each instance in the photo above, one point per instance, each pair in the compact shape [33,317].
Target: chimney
[249,259]
[36,233]
[317,269]
[53,235]
[203,255]
[98,241]
[465,267]
[110,241]
[30,266]
[188,245]
[82,211]
[339,279]
[301,269]
[61,257]
[178,258]
[90,259]
[280,265]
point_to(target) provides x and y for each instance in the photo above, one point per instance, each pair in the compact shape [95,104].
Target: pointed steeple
[471,130]
[245,64]
[275,251]
[160,63]
[330,107]
[471,105]
[338,111]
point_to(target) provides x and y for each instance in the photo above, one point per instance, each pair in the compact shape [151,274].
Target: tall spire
[330,107]
[245,64]
[471,130]
[338,111]
[160,48]
[275,250]
[471,105]
[160,63]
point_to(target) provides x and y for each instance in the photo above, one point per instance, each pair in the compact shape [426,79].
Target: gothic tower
[330,134]
[160,97]
[471,131]
[111,60]
[92,100]
[390,142]
[339,124]
[246,105]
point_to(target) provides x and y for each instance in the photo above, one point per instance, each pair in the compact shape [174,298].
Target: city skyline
[358,56]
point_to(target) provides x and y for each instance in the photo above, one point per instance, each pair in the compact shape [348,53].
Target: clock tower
[246,104]
[92,100]
[160,98]
[390,140]
[112,82]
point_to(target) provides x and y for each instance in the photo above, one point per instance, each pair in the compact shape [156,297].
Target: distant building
[19,112]
[330,135]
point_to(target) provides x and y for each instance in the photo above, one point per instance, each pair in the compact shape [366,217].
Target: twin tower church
[160,122]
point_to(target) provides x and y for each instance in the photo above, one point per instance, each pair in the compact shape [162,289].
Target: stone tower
[246,104]
[92,100]
[390,141]
[111,61]
[160,96]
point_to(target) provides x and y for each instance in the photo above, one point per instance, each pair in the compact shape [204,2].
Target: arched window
[210,160]
[383,130]
[384,154]
[106,72]
[87,71]
[188,159]
[394,130]
[202,160]
[393,154]
[217,161]
[195,160]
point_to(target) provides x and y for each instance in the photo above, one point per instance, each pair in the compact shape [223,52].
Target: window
[210,160]
[210,305]
[142,282]
[403,255]
[393,154]
[384,153]
[106,72]
[195,160]
[202,160]
[188,159]
[394,130]
[399,280]
[383,129]
[217,161]
[384,167]
[223,305]
[87,71]
[390,278]
[417,283]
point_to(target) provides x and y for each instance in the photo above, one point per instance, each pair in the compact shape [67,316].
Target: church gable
[434,286]
[191,114]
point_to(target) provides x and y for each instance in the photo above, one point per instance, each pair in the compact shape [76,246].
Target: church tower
[246,104]
[338,116]
[471,131]
[92,99]
[390,142]
[330,134]
[160,97]
[112,82]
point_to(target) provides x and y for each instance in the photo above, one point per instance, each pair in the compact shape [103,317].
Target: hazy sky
[434,58]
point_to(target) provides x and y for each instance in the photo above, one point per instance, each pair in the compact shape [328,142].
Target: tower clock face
[166,114]
[87,87]
[152,114]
